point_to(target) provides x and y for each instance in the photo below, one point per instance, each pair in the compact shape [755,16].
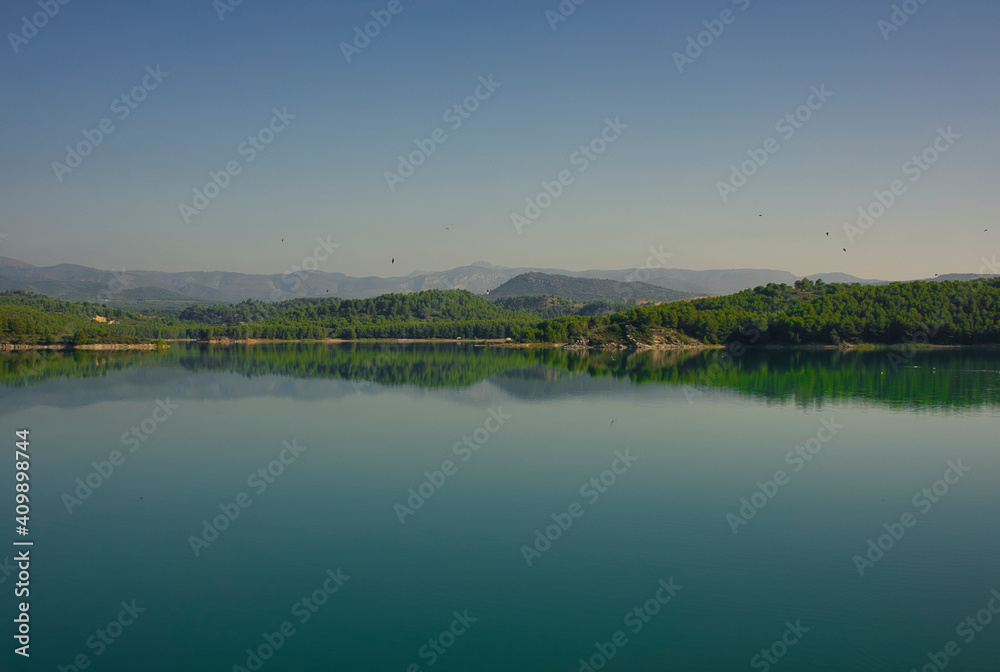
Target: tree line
[808,312]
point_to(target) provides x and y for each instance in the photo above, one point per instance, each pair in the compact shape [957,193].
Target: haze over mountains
[81,283]
[584,289]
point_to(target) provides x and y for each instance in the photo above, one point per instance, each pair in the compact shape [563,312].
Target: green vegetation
[945,313]
[430,314]
[548,307]
[33,319]
[959,313]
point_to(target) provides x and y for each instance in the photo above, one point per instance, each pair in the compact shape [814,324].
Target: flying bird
[394,260]
[282,240]
[845,249]
[827,234]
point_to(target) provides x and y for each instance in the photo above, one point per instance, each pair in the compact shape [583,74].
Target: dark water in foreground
[509,556]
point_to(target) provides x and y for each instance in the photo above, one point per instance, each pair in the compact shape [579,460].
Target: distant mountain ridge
[584,289]
[81,283]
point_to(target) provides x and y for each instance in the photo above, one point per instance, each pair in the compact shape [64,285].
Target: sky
[665,121]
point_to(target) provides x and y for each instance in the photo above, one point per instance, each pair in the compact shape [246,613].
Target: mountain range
[81,283]
[584,289]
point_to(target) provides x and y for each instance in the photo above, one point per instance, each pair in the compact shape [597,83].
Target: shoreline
[475,342]
[503,343]
[11,347]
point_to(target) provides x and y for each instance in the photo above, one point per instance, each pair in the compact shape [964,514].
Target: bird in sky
[394,260]
[827,234]
[845,249]
[282,240]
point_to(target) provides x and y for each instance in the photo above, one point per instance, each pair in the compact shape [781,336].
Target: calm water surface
[513,558]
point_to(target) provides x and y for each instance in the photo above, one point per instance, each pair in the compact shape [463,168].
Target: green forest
[34,319]
[817,313]
[548,306]
[945,313]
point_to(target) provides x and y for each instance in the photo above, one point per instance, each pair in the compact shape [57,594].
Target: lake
[452,507]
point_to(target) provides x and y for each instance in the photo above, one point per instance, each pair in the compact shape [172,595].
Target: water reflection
[941,379]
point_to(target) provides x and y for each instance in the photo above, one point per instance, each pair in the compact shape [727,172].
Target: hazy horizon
[675,119]
[484,264]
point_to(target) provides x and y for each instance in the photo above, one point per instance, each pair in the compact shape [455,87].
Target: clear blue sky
[655,185]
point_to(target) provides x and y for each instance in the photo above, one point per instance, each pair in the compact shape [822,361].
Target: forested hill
[938,312]
[34,319]
[584,289]
[435,305]
[807,313]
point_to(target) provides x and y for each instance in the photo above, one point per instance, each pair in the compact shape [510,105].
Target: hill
[584,289]
[547,307]
[80,283]
[33,319]
[81,291]
[943,313]
[960,276]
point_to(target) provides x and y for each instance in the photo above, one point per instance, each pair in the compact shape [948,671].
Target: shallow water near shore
[446,507]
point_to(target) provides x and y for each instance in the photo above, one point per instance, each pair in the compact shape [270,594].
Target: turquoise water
[676,454]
